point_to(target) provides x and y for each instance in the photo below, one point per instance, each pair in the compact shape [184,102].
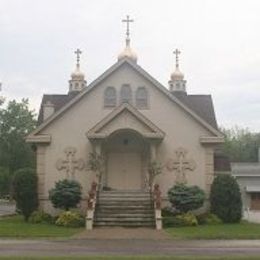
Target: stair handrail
[91,205]
[157,199]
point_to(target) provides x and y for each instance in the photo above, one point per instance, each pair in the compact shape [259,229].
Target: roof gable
[125,117]
[138,69]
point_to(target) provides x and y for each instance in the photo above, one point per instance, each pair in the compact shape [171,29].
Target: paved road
[81,247]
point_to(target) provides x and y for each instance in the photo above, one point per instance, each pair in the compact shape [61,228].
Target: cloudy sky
[219,40]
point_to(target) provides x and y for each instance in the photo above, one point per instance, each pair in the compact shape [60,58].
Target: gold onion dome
[128,52]
[77,74]
[177,74]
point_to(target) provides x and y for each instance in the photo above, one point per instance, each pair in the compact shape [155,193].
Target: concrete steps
[124,208]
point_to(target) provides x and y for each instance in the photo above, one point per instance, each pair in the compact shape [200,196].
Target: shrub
[70,219]
[5,182]
[188,219]
[40,217]
[66,194]
[225,199]
[25,191]
[185,198]
[172,221]
[208,219]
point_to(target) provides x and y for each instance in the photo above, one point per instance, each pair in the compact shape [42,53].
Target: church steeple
[177,82]
[127,52]
[77,81]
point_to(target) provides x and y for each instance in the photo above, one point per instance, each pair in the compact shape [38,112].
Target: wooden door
[124,171]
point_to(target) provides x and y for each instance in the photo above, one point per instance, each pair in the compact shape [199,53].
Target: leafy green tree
[16,122]
[5,182]
[225,199]
[241,145]
[66,194]
[186,198]
[25,191]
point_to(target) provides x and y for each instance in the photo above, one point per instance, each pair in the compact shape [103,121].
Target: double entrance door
[124,170]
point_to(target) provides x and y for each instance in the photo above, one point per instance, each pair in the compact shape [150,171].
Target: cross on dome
[127,21]
[177,52]
[78,52]
[128,52]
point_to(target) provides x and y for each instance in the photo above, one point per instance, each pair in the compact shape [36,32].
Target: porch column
[97,147]
[153,151]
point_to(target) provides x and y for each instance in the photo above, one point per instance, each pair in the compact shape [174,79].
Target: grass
[136,258]
[15,227]
[242,230]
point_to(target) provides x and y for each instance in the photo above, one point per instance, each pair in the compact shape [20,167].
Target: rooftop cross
[78,52]
[127,21]
[177,52]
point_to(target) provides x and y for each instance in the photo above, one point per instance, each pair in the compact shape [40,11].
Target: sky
[219,42]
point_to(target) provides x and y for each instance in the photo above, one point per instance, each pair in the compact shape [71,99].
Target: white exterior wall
[181,130]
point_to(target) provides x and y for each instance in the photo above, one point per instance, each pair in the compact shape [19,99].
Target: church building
[127,122]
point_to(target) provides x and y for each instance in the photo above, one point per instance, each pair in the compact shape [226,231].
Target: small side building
[247,175]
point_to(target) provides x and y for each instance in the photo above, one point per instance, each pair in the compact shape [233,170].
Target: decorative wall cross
[70,163]
[181,165]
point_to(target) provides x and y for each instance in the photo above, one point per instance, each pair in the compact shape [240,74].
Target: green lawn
[16,227]
[243,230]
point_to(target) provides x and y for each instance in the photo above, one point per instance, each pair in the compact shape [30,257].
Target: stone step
[123,215]
[124,220]
[124,201]
[124,224]
[124,206]
[125,192]
[124,211]
[144,197]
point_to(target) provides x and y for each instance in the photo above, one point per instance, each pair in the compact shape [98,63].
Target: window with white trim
[110,97]
[126,94]
[141,98]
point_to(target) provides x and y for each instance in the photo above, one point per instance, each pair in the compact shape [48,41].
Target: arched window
[141,98]
[110,97]
[126,94]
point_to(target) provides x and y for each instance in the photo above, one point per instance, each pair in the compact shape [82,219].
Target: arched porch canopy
[125,117]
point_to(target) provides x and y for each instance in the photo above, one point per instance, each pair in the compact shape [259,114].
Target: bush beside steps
[65,218]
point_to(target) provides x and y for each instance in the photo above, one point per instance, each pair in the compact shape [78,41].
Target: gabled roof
[200,104]
[58,101]
[149,129]
[185,107]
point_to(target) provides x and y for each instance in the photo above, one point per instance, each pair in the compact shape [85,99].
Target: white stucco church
[130,119]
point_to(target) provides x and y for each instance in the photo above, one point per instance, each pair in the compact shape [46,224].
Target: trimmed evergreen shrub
[225,199]
[185,198]
[25,191]
[66,194]
[70,219]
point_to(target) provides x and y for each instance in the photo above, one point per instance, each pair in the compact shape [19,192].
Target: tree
[186,198]
[241,145]
[225,199]
[5,182]
[25,191]
[16,122]
[66,194]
